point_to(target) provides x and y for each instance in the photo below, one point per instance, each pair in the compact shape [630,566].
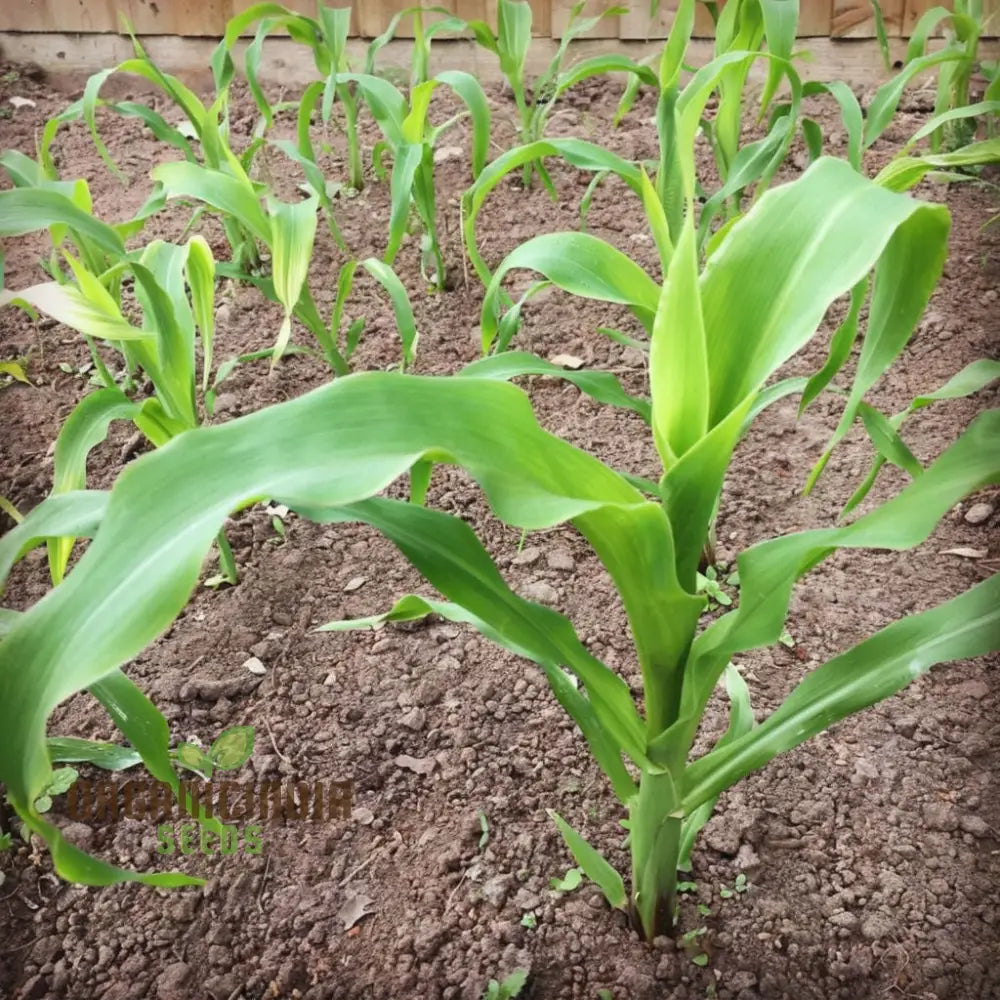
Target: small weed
[509,988]
[573,879]
[484,826]
[741,885]
[529,920]
[712,585]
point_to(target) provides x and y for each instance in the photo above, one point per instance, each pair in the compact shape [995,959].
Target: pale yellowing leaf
[67,305]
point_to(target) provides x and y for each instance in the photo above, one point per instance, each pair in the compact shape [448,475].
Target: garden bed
[870,854]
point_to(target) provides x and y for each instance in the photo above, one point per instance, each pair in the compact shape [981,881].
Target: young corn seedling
[410,139]
[326,37]
[287,231]
[959,62]
[719,334]
[677,107]
[442,21]
[742,26]
[511,45]
[205,131]
[64,208]
[174,287]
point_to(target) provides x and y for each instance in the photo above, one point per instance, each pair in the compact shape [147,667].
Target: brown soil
[871,853]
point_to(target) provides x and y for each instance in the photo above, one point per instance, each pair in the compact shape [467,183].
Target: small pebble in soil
[528,556]
[560,559]
[255,666]
[355,583]
[979,513]
[540,591]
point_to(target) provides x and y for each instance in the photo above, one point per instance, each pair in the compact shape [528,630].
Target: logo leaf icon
[233,748]
[194,759]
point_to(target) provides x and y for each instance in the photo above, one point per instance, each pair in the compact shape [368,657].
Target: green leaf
[26,210]
[109,756]
[194,759]
[15,371]
[593,864]
[200,274]
[602,386]
[831,237]
[678,363]
[61,781]
[233,748]
[581,264]
[85,428]
[406,324]
[293,230]
[573,879]
[966,626]
[67,304]
[227,194]
[77,514]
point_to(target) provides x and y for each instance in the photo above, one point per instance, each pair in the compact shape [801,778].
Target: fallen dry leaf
[967,553]
[354,909]
[445,153]
[21,102]
[570,361]
[419,765]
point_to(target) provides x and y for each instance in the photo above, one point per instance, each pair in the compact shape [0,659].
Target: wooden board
[637,24]
[855,18]
[176,17]
[480,10]
[606,28]
[207,18]
[915,9]
[815,18]
[59,15]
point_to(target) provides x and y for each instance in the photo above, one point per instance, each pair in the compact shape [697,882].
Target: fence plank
[815,18]
[486,10]
[915,9]
[176,17]
[58,15]
[855,18]
[637,24]
[561,11]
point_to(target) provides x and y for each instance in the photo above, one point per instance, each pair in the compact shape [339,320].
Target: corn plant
[743,26]
[718,336]
[511,44]
[207,125]
[175,289]
[64,208]
[410,139]
[326,38]
[678,108]
[535,102]
[423,34]
[959,61]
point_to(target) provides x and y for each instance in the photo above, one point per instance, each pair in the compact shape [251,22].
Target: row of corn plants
[746,274]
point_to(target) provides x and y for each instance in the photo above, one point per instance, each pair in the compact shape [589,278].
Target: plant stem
[655,825]
[226,561]
[355,168]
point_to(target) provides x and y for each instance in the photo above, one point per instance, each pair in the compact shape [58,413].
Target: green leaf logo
[194,759]
[233,748]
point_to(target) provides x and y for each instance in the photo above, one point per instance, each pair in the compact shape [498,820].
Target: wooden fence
[823,18]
